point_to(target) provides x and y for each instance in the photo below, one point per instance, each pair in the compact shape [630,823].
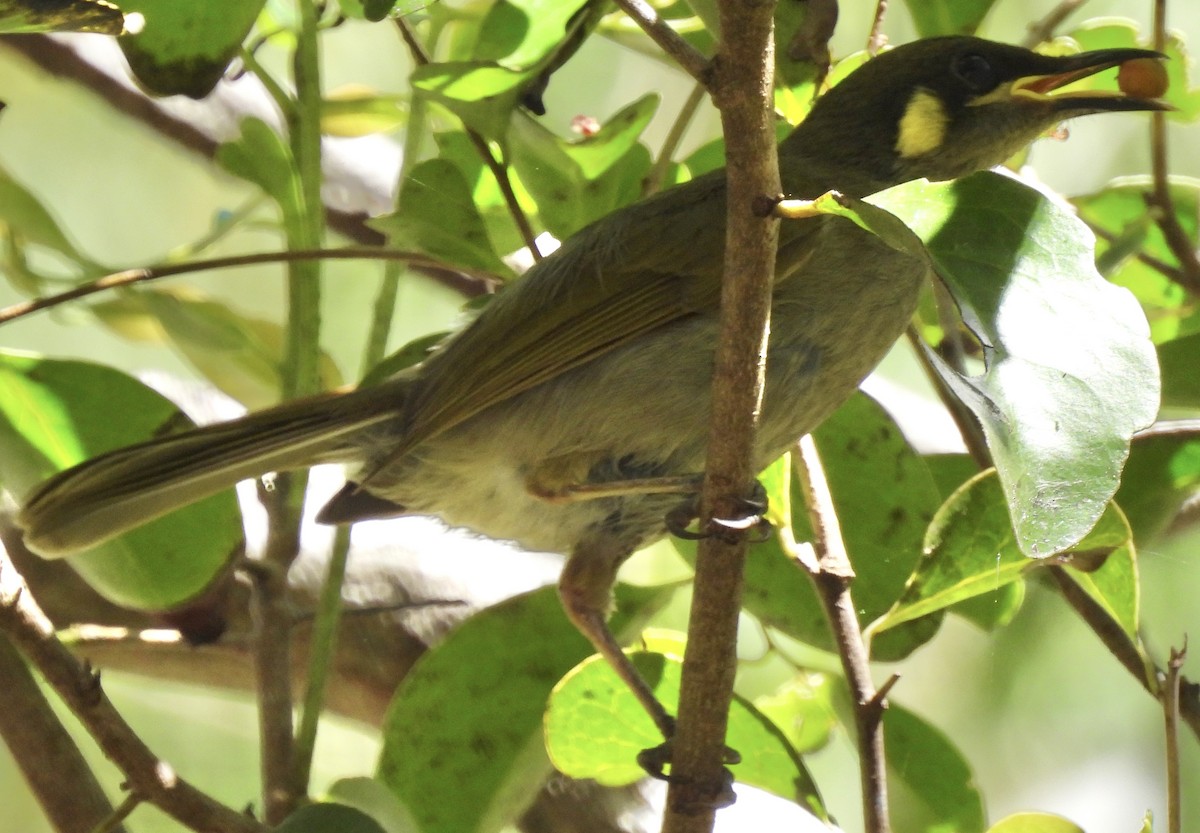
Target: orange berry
[1142,78]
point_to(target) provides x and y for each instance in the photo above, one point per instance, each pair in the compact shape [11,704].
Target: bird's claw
[748,516]
[655,759]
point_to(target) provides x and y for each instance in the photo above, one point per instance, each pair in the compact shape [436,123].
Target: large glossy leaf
[54,414]
[184,48]
[1071,373]
[595,729]
[463,747]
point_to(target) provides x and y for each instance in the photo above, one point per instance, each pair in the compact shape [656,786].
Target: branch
[499,171]
[1160,198]
[742,90]
[670,41]
[832,577]
[1170,703]
[79,687]
[1043,30]
[55,769]
[477,283]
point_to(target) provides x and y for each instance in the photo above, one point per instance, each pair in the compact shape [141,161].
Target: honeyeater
[593,370]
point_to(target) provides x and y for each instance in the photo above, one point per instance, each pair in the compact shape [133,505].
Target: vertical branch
[272,615]
[1170,701]
[832,574]
[744,81]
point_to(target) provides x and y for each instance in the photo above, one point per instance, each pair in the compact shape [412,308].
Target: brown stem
[54,768]
[1171,727]
[477,283]
[1160,199]
[498,169]
[1044,29]
[832,579]
[968,425]
[876,38]
[682,52]
[79,687]
[743,93]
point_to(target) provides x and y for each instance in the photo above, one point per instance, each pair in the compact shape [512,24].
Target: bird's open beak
[1041,88]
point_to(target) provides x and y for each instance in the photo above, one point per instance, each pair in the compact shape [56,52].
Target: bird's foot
[656,759]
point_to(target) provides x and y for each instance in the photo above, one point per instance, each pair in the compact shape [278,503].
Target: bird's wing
[632,272]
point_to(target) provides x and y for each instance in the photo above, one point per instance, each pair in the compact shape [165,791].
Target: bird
[549,418]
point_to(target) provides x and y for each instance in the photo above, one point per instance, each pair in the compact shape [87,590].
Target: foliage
[1068,318]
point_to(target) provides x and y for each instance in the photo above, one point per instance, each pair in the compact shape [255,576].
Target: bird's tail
[110,494]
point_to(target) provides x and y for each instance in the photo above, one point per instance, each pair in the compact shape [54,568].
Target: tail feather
[110,494]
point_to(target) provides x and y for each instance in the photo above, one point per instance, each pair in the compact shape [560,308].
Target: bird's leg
[585,587]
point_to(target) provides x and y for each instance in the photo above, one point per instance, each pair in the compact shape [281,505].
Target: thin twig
[55,770]
[968,426]
[876,38]
[323,645]
[832,580]
[1171,720]
[666,155]
[742,88]
[498,169]
[1160,200]
[115,822]
[1167,270]
[1044,29]
[481,282]
[79,687]
[670,41]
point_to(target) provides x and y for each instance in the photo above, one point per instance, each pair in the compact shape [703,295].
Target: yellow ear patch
[923,125]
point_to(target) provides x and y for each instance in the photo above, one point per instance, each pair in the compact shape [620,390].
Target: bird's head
[945,107]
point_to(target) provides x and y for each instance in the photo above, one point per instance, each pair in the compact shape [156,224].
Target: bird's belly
[642,410]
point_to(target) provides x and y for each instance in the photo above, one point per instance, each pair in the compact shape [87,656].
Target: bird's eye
[976,71]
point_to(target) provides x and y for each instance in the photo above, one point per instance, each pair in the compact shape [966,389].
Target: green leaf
[260,156]
[241,356]
[23,16]
[326,817]
[1178,360]
[882,484]
[374,799]
[802,708]
[482,94]
[1126,227]
[463,747]
[1071,373]
[1034,823]
[595,729]
[577,182]
[357,112]
[518,33]
[1113,584]
[24,215]
[1162,473]
[970,550]
[54,414]
[437,215]
[489,201]
[948,17]
[184,48]
[935,772]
